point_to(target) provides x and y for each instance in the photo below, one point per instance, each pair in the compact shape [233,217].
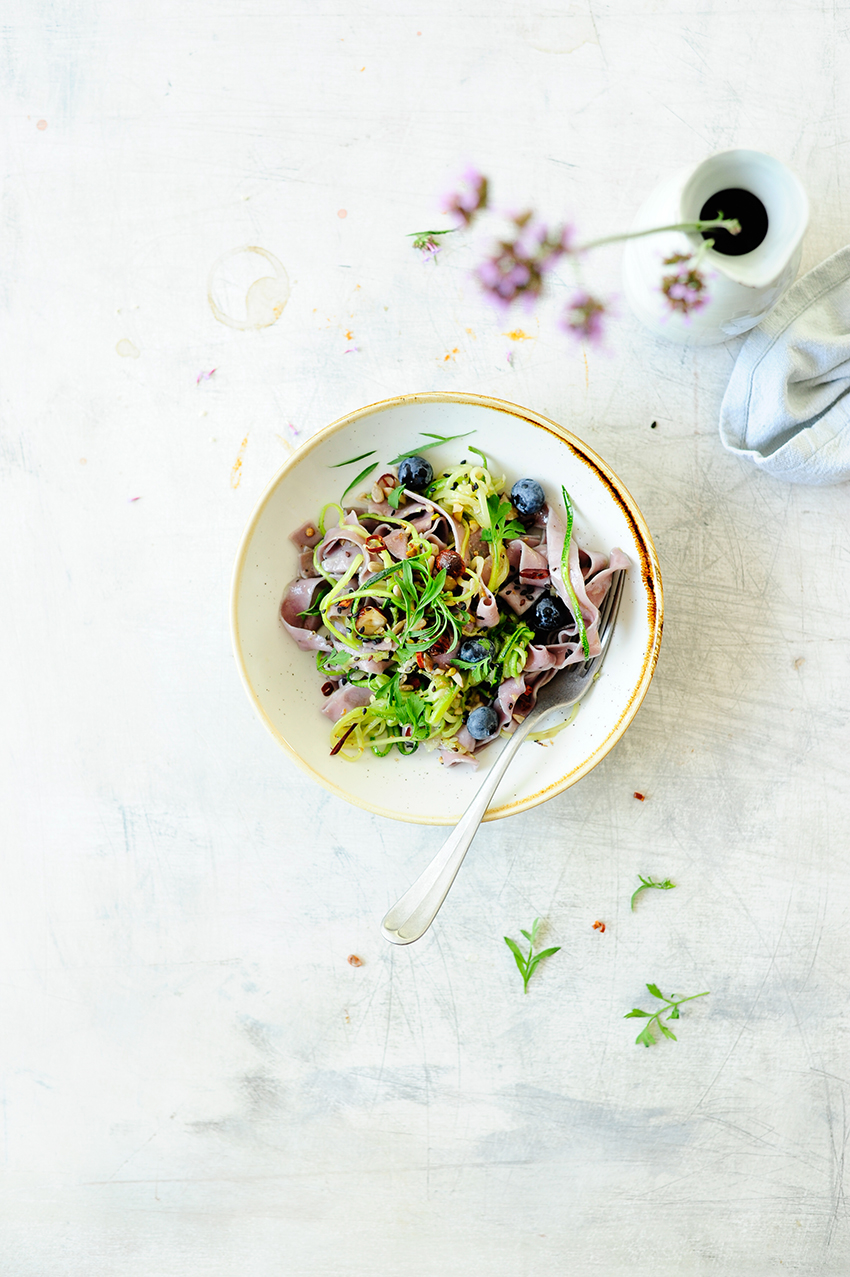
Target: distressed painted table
[195,1081]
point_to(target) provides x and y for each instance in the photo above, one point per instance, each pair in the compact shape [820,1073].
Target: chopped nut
[370,621]
[354,961]
[388,482]
[378,494]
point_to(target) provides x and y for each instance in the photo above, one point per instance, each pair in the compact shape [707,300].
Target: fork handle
[412,915]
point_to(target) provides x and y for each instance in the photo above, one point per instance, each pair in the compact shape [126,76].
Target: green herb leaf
[478,451]
[666,885]
[394,497]
[528,963]
[670,1010]
[421,238]
[358,479]
[426,447]
[351,460]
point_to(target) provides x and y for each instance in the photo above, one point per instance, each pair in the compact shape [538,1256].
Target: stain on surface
[342,212]
[519,334]
[41,126]
[236,472]
[127,349]
[234,276]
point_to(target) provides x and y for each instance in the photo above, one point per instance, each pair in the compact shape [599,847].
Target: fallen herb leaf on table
[528,964]
[646,1037]
[666,885]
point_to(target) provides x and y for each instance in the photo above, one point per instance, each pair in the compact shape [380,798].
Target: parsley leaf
[502,525]
[647,1037]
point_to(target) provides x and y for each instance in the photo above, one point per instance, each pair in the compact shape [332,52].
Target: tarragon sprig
[646,1037]
[359,478]
[666,885]
[528,964]
[418,449]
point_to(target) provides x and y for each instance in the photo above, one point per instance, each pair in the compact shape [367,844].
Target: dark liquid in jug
[750,212]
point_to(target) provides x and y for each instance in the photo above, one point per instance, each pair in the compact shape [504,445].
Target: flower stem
[730,224]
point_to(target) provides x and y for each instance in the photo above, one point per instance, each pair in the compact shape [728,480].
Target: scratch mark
[386,1032]
[131,1156]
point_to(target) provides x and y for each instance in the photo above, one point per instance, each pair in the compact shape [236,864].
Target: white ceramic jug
[741,289]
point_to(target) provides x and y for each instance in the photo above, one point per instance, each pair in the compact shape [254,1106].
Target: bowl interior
[283,683]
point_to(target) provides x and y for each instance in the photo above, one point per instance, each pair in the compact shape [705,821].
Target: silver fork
[412,915]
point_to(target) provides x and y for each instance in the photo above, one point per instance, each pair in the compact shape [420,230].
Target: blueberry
[473,650]
[548,614]
[482,722]
[415,473]
[528,496]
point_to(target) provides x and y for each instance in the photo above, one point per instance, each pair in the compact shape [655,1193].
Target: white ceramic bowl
[282,682]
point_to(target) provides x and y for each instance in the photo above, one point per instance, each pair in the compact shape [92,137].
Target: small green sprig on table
[666,885]
[646,1037]
[528,964]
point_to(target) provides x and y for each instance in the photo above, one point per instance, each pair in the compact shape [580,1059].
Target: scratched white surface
[194,1079]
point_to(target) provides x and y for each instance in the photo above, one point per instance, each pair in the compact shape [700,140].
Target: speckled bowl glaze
[282,682]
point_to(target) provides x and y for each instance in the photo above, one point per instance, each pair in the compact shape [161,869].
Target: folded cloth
[786,407]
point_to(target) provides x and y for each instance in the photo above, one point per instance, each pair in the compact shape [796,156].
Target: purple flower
[519,263]
[685,286]
[583,317]
[471,197]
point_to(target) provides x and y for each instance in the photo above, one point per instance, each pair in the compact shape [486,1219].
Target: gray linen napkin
[786,407]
